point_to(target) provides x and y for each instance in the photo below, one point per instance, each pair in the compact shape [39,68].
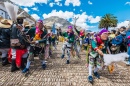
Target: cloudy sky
[88,11]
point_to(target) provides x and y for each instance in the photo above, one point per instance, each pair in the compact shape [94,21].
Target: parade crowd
[20,43]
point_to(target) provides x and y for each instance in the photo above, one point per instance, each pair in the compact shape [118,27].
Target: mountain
[60,22]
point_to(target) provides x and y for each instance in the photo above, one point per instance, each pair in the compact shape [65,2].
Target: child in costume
[69,40]
[39,41]
[98,47]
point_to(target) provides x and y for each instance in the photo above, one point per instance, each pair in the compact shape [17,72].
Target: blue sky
[88,11]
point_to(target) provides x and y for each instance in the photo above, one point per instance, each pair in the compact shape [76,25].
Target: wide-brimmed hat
[1,17]
[5,23]
[21,17]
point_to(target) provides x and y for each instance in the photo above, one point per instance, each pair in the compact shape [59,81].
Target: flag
[53,29]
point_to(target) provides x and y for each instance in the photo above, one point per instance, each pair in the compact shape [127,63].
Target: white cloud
[127,3]
[94,20]
[28,2]
[35,16]
[26,9]
[59,4]
[51,4]
[82,20]
[81,10]
[124,23]
[61,14]
[58,0]
[74,2]
[35,8]
[89,2]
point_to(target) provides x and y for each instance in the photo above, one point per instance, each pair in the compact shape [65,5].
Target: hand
[100,52]
[87,65]
[66,39]
[19,27]
[33,42]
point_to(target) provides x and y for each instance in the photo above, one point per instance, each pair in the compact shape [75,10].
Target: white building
[5,15]
[3,12]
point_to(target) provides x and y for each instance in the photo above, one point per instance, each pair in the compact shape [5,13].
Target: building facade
[5,15]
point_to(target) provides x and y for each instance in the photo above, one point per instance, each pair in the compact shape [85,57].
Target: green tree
[107,21]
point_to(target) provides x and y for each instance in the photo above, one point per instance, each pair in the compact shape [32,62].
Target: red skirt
[19,54]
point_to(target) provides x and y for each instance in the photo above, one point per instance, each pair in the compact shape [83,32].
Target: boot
[25,70]
[96,75]
[23,63]
[62,56]
[44,66]
[13,66]
[67,62]
[90,79]
[5,61]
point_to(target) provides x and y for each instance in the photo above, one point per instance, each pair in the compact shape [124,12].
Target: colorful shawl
[38,34]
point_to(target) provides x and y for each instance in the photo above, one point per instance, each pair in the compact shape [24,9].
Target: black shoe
[44,66]
[90,78]
[62,56]
[67,62]
[13,66]
[96,75]
[24,61]
[5,61]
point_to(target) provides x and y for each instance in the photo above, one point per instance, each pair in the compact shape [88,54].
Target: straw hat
[21,17]
[4,23]
[26,24]
[1,17]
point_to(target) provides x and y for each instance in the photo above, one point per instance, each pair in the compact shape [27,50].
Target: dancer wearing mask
[99,47]
[69,40]
[38,44]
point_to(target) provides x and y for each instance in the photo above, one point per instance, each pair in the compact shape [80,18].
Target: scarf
[38,34]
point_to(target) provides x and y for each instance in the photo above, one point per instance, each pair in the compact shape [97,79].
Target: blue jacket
[127,34]
[118,40]
[86,40]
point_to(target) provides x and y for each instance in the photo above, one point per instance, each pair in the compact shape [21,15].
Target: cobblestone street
[58,73]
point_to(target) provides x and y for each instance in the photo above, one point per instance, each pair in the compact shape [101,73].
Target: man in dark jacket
[18,45]
[5,26]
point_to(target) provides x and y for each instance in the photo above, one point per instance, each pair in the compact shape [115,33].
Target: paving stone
[58,73]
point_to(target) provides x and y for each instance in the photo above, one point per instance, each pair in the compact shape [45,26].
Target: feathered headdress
[12,11]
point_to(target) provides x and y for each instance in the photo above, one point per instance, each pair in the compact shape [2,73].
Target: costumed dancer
[75,45]
[99,46]
[48,52]
[5,26]
[128,44]
[81,35]
[39,41]
[18,46]
[69,40]
[53,40]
